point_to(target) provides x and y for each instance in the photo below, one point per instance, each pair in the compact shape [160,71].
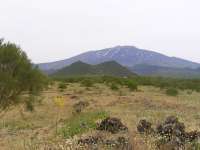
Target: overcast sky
[51,30]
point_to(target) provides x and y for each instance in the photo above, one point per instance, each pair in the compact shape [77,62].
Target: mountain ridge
[125,55]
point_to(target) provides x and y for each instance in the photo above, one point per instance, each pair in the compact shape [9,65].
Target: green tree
[17,75]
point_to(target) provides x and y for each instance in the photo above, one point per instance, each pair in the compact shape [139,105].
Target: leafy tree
[17,75]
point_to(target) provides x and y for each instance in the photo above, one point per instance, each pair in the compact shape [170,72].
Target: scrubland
[70,112]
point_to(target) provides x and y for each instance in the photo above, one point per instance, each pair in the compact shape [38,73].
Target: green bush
[62,86]
[18,75]
[172,92]
[131,85]
[81,123]
[114,87]
[87,83]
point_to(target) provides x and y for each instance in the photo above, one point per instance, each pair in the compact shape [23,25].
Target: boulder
[78,107]
[113,125]
[144,127]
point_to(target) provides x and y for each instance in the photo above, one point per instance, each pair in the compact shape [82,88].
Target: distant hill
[150,70]
[79,68]
[128,56]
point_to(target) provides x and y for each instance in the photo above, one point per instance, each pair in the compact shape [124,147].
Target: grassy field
[57,126]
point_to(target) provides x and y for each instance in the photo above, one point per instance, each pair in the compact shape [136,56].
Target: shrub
[114,87]
[189,92]
[131,85]
[29,104]
[62,86]
[87,83]
[172,92]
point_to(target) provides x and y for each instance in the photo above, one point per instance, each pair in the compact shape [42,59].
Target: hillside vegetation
[150,70]
[79,68]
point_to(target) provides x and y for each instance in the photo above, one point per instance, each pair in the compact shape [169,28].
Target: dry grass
[20,130]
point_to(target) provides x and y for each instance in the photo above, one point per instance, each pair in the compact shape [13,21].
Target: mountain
[125,55]
[150,70]
[82,69]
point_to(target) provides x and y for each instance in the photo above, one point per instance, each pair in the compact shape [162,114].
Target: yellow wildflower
[59,101]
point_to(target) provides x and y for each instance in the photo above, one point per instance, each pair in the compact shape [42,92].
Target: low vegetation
[81,123]
[133,82]
[62,86]
[87,83]
[172,92]
[114,87]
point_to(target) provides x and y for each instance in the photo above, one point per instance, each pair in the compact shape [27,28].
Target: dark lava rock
[121,143]
[110,143]
[78,107]
[113,125]
[171,127]
[172,132]
[172,143]
[118,142]
[144,127]
[74,97]
[122,140]
[171,120]
[90,140]
[124,144]
[191,136]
